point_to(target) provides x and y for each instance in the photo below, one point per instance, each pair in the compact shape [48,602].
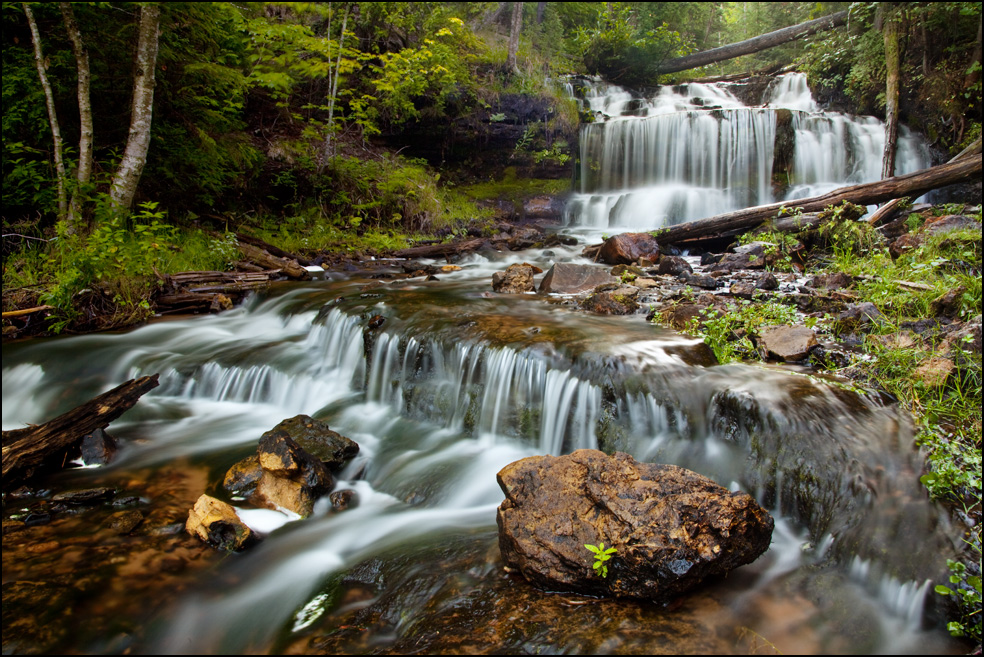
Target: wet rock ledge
[671,527]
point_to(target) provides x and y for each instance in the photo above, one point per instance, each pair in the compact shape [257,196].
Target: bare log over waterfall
[912,185]
[29,449]
[755,44]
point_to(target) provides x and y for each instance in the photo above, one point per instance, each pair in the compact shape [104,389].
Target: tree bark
[84,173]
[912,185]
[891,29]
[26,451]
[888,209]
[515,25]
[124,185]
[49,100]
[756,44]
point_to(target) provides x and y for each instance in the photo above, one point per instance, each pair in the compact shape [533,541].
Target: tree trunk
[28,450]
[973,76]
[49,100]
[329,142]
[911,185]
[891,28]
[84,173]
[438,250]
[124,185]
[515,25]
[755,44]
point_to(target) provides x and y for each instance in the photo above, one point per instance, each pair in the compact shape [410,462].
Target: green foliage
[967,593]
[730,335]
[601,555]
[617,49]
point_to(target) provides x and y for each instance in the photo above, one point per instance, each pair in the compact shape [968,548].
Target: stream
[459,381]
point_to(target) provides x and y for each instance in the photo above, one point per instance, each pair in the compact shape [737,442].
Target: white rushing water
[448,391]
[696,150]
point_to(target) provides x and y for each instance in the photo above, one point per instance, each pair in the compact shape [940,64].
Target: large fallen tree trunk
[261,257]
[441,250]
[27,451]
[911,185]
[755,44]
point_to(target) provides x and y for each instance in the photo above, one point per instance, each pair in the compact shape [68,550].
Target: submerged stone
[567,278]
[671,527]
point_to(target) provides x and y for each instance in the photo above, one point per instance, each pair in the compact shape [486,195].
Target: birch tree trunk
[891,29]
[49,100]
[516,24]
[333,92]
[124,184]
[84,174]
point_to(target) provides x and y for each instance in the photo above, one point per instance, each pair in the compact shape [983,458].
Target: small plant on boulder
[601,555]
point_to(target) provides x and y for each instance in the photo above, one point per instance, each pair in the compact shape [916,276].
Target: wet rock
[904,340]
[949,304]
[621,301]
[543,207]
[767,282]
[216,523]
[319,440]
[858,317]
[524,237]
[710,259]
[566,278]
[98,448]
[834,281]
[742,289]
[124,522]
[681,315]
[934,372]
[516,279]
[645,283]
[618,270]
[829,357]
[787,343]
[342,500]
[375,322]
[950,223]
[904,244]
[674,266]
[703,282]
[671,527]
[242,478]
[87,497]
[626,248]
[732,262]
[292,478]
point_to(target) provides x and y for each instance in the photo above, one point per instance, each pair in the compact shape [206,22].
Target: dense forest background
[166,128]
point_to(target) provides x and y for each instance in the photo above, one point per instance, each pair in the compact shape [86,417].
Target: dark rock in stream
[98,448]
[292,478]
[319,440]
[674,266]
[627,248]
[566,278]
[672,528]
[516,279]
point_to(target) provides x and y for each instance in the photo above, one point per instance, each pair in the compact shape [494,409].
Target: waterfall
[696,150]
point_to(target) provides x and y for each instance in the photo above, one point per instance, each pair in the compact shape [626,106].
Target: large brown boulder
[671,527]
[788,343]
[567,278]
[292,479]
[627,248]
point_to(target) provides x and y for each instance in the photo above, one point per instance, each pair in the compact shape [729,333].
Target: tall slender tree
[84,171]
[515,25]
[49,100]
[124,185]
[891,24]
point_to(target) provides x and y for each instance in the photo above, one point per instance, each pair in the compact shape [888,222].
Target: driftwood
[264,259]
[29,450]
[201,291]
[913,184]
[889,208]
[756,44]
[26,311]
[441,250]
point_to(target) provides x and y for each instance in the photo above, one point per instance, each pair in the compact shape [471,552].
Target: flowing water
[457,383]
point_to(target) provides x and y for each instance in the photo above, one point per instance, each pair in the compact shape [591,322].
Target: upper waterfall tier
[692,151]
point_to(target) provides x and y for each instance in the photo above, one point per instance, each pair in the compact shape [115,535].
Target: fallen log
[289,267]
[441,250]
[912,185]
[29,450]
[889,208]
[271,249]
[26,311]
[756,44]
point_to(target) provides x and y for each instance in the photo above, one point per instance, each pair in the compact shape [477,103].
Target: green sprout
[601,555]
